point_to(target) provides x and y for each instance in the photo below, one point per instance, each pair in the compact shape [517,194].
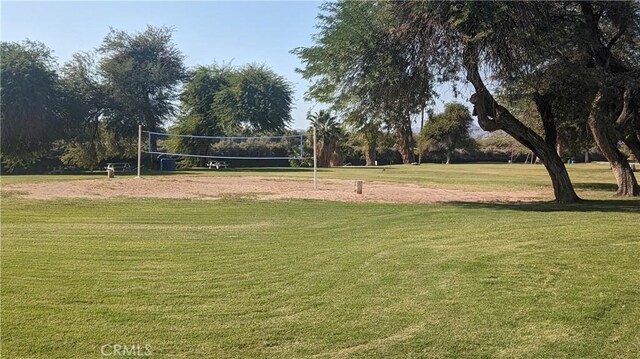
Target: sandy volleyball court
[260,188]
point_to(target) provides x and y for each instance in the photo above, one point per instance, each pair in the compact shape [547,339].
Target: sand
[261,188]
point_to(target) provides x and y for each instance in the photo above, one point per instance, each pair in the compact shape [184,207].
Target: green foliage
[198,116]
[329,137]
[142,72]
[356,66]
[227,101]
[258,101]
[31,100]
[200,89]
[85,142]
[365,133]
[448,131]
[254,148]
[104,146]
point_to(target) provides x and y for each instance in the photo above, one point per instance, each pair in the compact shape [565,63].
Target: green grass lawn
[241,278]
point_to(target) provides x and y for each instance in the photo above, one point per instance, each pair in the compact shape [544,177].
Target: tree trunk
[544,105]
[492,116]
[604,132]
[370,154]
[633,142]
[404,140]
[587,159]
[336,160]
[607,140]
[562,186]
[324,154]
[625,125]
[448,156]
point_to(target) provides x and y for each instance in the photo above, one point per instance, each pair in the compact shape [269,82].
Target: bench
[57,171]
[119,166]
[217,164]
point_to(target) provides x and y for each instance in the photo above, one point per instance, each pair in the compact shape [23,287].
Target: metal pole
[301,147]
[315,160]
[421,126]
[139,149]
[150,154]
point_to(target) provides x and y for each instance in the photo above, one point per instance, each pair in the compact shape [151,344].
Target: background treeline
[86,112]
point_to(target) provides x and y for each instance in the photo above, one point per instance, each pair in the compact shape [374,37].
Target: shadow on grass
[594,186]
[608,205]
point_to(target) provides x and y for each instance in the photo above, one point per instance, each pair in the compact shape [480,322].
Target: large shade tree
[222,100]
[31,101]
[508,39]
[198,116]
[86,143]
[356,67]
[257,101]
[594,52]
[142,72]
[610,37]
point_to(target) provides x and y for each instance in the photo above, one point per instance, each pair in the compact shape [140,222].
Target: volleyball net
[280,147]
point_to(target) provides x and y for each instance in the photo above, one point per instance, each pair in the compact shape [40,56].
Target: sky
[207,32]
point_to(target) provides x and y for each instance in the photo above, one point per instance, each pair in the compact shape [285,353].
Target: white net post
[315,160]
[139,149]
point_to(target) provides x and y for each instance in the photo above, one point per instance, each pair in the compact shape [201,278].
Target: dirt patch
[265,188]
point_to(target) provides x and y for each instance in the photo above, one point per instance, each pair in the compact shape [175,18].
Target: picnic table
[217,164]
[119,166]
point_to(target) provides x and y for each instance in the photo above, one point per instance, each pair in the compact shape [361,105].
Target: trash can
[167,164]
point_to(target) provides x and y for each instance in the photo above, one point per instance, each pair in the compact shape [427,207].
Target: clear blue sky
[240,32]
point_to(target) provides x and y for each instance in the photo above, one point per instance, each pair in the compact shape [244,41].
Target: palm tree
[328,134]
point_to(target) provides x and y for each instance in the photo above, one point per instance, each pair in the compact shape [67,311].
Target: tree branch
[616,37]
[543,104]
[625,114]
[481,100]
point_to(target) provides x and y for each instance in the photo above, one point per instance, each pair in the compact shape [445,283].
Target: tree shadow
[607,205]
[595,186]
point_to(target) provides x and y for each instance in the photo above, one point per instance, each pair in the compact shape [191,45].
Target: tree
[357,67]
[328,136]
[198,115]
[595,48]
[85,143]
[30,102]
[507,38]
[366,133]
[605,27]
[258,101]
[449,130]
[142,72]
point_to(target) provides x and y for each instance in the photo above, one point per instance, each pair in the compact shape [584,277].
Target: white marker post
[139,149]
[315,160]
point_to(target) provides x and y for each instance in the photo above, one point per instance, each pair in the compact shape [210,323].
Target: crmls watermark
[135,350]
